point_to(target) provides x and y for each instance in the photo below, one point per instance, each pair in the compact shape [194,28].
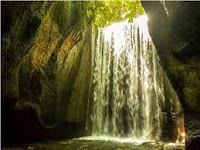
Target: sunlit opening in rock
[100,75]
[129,85]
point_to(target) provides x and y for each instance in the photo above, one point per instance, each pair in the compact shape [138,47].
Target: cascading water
[128,87]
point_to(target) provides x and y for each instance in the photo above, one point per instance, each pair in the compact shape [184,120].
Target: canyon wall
[46,70]
[174,28]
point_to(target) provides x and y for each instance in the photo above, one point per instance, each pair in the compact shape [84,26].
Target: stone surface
[174,28]
[46,66]
[46,70]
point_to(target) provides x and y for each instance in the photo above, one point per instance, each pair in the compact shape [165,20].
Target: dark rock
[174,28]
[46,71]
[193,143]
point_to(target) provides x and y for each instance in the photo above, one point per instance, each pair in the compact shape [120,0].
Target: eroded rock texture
[46,67]
[46,70]
[174,27]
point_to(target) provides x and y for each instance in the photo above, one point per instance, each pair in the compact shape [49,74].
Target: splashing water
[128,87]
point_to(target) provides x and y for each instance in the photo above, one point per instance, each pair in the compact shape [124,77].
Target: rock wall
[174,28]
[47,66]
[46,70]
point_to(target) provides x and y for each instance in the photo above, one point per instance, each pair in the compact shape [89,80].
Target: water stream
[128,86]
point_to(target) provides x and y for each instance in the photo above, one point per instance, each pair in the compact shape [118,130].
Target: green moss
[192,94]
[76,12]
[39,9]
[61,15]
[185,77]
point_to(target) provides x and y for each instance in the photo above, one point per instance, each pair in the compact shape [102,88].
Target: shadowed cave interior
[100,75]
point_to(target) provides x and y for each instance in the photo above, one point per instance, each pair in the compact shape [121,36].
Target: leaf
[104,13]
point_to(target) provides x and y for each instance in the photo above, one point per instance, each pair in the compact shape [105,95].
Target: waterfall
[127,81]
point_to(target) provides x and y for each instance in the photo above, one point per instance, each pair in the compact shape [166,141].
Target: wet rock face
[46,70]
[174,27]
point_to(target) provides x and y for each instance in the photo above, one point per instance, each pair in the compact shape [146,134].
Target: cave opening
[133,100]
[97,73]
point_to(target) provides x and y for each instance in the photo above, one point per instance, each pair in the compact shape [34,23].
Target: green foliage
[103,13]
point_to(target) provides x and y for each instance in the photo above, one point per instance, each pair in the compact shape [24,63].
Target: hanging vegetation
[103,13]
